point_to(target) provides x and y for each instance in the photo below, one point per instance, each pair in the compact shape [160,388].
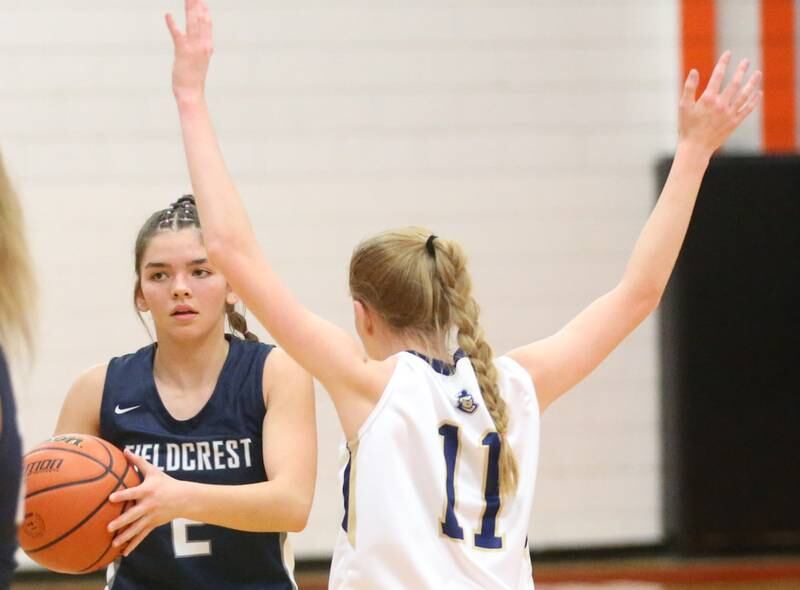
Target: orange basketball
[67,483]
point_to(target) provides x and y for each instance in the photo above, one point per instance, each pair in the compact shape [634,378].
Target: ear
[231,298]
[141,302]
[365,323]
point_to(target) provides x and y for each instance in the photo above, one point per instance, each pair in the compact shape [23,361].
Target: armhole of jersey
[263,358]
[382,402]
[520,373]
[105,400]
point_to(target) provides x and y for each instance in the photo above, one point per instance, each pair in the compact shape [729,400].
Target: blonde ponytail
[464,315]
[420,285]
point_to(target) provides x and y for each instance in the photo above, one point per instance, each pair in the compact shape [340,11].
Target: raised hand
[193,51]
[710,120]
[157,500]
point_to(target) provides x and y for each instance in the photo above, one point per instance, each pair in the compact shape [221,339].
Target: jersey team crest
[466,403]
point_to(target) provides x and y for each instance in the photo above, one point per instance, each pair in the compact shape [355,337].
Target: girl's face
[184,294]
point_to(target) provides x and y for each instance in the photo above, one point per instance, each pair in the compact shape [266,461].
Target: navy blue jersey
[221,444]
[10,474]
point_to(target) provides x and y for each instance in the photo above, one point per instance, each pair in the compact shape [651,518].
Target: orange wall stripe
[779,53]
[698,38]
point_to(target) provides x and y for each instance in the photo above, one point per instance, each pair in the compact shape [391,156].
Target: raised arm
[558,363]
[326,351]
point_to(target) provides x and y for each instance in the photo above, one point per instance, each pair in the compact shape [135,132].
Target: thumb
[174,31]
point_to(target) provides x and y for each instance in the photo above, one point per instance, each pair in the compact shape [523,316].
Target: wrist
[189,98]
[694,150]
[183,498]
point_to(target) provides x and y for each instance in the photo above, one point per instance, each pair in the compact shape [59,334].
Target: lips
[183,311]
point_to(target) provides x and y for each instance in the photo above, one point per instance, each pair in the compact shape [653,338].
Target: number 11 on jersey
[485,538]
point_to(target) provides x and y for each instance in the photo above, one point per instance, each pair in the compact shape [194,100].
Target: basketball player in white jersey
[443,448]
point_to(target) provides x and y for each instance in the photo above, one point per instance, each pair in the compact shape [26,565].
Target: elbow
[297,516]
[643,299]
[216,246]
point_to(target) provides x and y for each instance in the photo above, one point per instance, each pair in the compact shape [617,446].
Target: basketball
[67,483]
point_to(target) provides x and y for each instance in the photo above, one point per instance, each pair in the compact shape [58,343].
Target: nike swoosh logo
[119,410]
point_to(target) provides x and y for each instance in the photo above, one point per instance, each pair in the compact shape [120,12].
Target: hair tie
[185,201]
[430,247]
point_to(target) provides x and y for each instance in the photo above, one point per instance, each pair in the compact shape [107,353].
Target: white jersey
[422,508]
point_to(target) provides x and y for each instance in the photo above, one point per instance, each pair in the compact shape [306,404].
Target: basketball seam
[87,518]
[77,482]
[124,507]
[128,467]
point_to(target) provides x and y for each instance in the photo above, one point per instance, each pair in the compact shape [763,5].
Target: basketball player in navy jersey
[452,439]
[16,310]
[221,427]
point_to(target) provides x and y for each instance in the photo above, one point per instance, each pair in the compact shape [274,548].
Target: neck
[432,346]
[190,366]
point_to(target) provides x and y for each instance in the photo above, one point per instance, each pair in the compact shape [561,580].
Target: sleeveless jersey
[10,475]
[221,444]
[421,486]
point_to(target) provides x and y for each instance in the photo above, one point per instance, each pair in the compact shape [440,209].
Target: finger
[715,82]
[126,518]
[749,107]
[135,542]
[690,88]
[194,11]
[748,91]
[126,534]
[134,493]
[140,463]
[174,31]
[736,82]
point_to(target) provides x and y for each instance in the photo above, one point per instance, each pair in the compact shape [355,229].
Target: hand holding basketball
[68,480]
[193,50]
[710,120]
[157,498]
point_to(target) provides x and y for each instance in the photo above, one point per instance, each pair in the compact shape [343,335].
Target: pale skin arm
[80,412]
[558,363]
[280,504]
[325,350]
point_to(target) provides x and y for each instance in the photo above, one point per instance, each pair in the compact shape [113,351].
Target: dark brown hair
[182,214]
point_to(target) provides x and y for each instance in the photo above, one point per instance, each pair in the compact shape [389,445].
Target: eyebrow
[194,262]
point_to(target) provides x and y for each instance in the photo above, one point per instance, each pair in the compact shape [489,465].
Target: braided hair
[420,286]
[182,214]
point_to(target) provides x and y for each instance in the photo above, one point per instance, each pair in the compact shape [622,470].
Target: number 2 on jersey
[180,539]
[485,538]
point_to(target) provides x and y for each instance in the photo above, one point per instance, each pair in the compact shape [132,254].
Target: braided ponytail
[238,323]
[464,314]
[420,286]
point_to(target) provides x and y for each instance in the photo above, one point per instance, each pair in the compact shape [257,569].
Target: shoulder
[92,380]
[281,369]
[132,359]
[87,389]
[81,409]
[516,381]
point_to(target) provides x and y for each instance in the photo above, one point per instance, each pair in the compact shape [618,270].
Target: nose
[180,287]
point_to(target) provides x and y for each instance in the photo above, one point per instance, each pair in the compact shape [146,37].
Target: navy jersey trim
[440,366]
[346,489]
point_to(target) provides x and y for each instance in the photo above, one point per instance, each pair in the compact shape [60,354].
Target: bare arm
[559,362]
[325,350]
[290,458]
[280,504]
[80,412]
